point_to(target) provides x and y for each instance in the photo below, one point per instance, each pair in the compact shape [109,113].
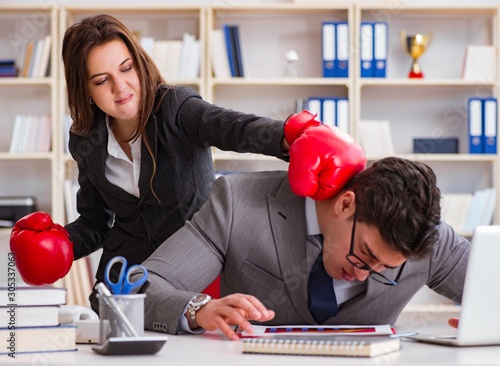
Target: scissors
[123,285]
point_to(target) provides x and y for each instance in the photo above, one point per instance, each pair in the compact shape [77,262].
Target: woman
[142,146]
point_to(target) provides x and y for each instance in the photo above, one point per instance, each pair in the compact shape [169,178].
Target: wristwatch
[195,304]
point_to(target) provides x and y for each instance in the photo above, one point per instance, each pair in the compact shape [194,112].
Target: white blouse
[119,170]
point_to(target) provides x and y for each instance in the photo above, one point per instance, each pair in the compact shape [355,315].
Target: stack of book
[31,133]
[29,321]
[176,59]
[466,211]
[8,68]
[376,138]
[37,58]
[226,52]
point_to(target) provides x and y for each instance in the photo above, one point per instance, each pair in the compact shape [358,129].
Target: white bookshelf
[158,21]
[415,108]
[29,174]
[436,106]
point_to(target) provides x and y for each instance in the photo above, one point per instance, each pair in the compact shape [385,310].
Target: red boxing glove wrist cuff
[297,123]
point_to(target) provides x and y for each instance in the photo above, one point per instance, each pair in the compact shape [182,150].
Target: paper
[263,331]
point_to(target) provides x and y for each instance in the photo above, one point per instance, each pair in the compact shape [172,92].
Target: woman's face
[113,82]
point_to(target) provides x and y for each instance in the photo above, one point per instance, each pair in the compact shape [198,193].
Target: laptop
[480,311]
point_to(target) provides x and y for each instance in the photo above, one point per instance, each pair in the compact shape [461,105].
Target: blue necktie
[322,300]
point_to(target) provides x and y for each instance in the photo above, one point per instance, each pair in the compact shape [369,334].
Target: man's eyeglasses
[361,264]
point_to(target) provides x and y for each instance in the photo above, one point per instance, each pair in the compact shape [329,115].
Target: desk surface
[211,349]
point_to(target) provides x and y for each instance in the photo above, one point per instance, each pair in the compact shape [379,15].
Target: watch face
[200,299]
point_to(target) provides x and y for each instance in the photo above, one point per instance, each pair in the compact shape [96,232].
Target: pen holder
[121,316]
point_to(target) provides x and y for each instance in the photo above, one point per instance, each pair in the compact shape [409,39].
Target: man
[383,241]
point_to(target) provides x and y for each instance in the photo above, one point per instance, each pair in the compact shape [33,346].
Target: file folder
[314,106]
[366,51]
[328,111]
[475,126]
[342,50]
[328,49]
[380,49]
[342,120]
[490,125]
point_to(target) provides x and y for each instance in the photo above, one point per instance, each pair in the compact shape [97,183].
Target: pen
[144,287]
[124,322]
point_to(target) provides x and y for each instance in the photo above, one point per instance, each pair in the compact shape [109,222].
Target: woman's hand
[234,309]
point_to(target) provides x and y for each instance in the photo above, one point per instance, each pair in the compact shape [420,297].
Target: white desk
[214,350]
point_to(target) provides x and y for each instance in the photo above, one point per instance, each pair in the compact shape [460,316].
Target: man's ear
[346,203]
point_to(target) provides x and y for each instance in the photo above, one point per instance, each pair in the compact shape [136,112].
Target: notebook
[322,345]
[480,312]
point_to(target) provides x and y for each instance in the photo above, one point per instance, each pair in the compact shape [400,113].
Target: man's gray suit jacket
[252,231]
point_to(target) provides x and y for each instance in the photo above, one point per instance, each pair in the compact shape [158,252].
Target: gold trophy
[415,46]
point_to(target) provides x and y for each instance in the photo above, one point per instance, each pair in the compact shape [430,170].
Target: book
[43,62]
[238,53]
[189,63]
[376,138]
[27,58]
[30,296]
[29,316]
[480,63]
[218,53]
[364,346]
[454,209]
[230,49]
[38,339]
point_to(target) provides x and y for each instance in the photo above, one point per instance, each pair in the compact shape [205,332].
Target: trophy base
[415,75]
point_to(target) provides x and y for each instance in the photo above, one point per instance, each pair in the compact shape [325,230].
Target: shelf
[429,9]
[280,8]
[279,81]
[458,158]
[26,81]
[422,82]
[26,156]
[432,104]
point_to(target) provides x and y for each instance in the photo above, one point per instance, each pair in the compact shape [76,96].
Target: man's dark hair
[401,199]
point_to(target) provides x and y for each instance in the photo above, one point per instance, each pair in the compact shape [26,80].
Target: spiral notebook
[362,346]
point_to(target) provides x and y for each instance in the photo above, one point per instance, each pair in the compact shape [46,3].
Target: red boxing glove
[42,249]
[322,158]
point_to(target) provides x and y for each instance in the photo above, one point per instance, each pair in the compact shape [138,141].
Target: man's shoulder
[255,184]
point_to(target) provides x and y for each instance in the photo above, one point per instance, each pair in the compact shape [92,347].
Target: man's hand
[234,309]
[322,158]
